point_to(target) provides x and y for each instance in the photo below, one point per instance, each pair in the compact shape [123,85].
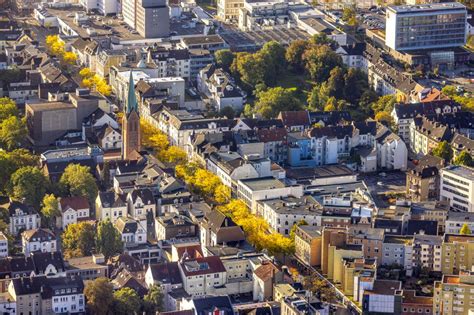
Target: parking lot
[383,183]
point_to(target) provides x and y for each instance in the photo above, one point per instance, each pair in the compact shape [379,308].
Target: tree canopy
[78,239]
[465,230]
[274,100]
[153,300]
[464,158]
[78,181]
[50,209]
[108,240]
[224,58]
[126,302]
[100,295]
[444,151]
[29,184]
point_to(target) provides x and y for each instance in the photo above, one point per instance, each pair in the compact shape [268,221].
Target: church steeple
[131,124]
[132,103]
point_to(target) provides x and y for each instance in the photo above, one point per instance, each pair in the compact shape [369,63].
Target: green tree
[249,68]
[11,162]
[10,75]
[348,13]
[78,181]
[224,58]
[228,112]
[100,296]
[274,55]
[294,54]
[464,158]
[274,100]
[320,60]
[29,184]
[384,104]
[465,230]
[248,111]
[78,239]
[335,83]
[12,132]
[355,85]
[153,300]
[444,151]
[315,101]
[126,302]
[108,240]
[7,108]
[50,209]
[322,39]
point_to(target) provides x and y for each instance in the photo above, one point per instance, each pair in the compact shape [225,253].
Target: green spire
[132,98]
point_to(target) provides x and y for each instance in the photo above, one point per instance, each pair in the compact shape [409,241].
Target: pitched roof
[144,194]
[166,273]
[212,304]
[404,111]
[75,203]
[13,206]
[126,225]
[266,271]
[461,143]
[271,135]
[110,199]
[41,235]
[202,266]
[339,132]
[295,118]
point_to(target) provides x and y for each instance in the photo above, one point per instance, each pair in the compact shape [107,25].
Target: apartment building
[398,250]
[38,240]
[426,26]
[22,217]
[423,181]
[308,244]
[110,205]
[3,245]
[454,294]
[370,238]
[427,252]
[171,62]
[150,18]
[228,10]
[457,187]
[202,275]
[105,7]
[456,220]
[457,253]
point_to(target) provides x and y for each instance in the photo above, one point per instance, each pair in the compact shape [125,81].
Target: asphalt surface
[392,182]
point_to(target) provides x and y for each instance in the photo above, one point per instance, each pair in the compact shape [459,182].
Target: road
[351,306]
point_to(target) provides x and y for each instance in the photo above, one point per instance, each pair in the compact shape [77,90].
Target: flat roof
[263,183]
[426,7]
[304,205]
[463,171]
[50,106]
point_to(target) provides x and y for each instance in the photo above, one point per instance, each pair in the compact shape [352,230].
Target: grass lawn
[301,82]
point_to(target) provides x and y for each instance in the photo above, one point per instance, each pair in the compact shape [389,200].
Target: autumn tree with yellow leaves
[56,47]
[92,80]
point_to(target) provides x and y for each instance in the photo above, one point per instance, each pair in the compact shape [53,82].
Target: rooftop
[263,183]
[304,205]
[426,7]
[463,171]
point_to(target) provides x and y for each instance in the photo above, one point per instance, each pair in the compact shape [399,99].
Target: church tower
[131,124]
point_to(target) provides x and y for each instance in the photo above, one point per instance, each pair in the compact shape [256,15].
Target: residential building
[3,245]
[308,244]
[173,226]
[427,252]
[453,294]
[456,220]
[426,134]
[171,62]
[133,233]
[411,27]
[218,229]
[22,217]
[221,89]
[88,267]
[110,205]
[73,209]
[462,143]
[212,43]
[423,181]
[370,238]
[105,7]
[42,295]
[167,276]
[141,203]
[353,269]
[265,275]
[284,212]
[416,304]
[228,10]
[150,18]
[42,240]
[206,305]
[202,275]
[457,253]
[457,187]
[398,250]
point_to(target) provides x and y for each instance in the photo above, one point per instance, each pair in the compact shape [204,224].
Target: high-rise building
[131,124]
[150,18]
[426,26]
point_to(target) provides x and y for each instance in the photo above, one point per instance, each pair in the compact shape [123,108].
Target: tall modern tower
[131,123]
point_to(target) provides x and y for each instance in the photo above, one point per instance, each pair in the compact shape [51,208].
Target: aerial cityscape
[236,157]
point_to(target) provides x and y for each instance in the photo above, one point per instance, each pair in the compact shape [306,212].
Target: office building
[457,187]
[150,18]
[427,26]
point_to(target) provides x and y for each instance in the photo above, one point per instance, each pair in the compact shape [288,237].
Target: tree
[384,104]
[355,84]
[322,39]
[153,300]
[86,73]
[384,117]
[293,228]
[78,181]
[465,230]
[126,302]
[294,54]
[444,151]
[7,108]
[274,100]
[108,240]
[314,100]
[320,288]
[249,68]
[69,57]
[12,132]
[335,83]
[175,155]
[224,58]
[331,105]
[78,239]
[228,112]
[11,162]
[222,194]
[464,158]
[29,184]
[274,55]
[100,296]
[50,209]
[320,60]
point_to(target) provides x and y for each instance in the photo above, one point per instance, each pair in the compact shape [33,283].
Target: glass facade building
[429,26]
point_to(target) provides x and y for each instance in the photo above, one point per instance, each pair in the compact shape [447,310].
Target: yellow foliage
[222,194]
[70,57]
[174,155]
[87,83]
[86,73]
